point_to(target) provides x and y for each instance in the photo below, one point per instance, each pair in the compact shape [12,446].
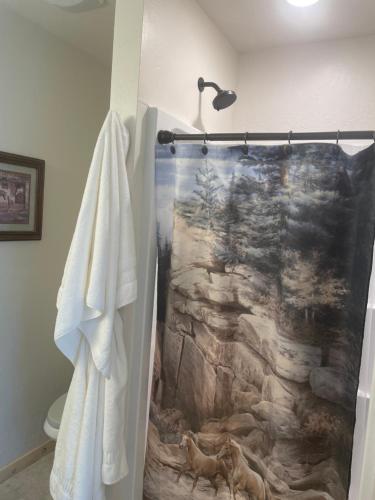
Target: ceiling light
[77,5]
[302,3]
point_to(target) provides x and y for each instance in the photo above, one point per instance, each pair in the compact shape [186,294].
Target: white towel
[99,279]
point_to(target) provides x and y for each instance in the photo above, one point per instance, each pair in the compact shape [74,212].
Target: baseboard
[26,460]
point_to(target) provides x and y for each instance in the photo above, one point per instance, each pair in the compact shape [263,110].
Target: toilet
[52,423]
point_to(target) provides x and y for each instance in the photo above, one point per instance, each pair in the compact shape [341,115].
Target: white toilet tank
[52,423]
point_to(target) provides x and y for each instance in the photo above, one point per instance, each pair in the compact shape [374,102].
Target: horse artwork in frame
[21,197]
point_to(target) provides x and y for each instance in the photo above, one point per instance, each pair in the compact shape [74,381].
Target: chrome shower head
[223,99]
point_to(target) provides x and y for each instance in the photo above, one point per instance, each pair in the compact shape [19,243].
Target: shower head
[223,99]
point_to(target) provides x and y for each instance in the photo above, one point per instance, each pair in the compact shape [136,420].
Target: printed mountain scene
[264,264]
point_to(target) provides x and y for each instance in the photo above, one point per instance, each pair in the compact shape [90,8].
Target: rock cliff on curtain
[264,263]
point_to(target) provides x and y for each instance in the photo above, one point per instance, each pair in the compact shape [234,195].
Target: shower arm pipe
[167,137]
[202,85]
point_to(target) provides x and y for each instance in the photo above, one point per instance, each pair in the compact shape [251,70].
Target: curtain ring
[245,147]
[173,148]
[204,147]
[337,137]
[290,133]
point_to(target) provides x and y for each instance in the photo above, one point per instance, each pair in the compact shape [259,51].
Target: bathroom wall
[124,99]
[317,86]
[312,87]
[180,44]
[53,99]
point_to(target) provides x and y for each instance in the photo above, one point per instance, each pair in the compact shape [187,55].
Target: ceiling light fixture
[302,3]
[77,5]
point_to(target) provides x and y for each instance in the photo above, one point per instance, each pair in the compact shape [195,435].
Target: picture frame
[21,197]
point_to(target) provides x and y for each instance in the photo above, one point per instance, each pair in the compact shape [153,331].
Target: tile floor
[31,483]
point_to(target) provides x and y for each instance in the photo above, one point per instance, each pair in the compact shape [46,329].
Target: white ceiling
[90,31]
[248,24]
[254,24]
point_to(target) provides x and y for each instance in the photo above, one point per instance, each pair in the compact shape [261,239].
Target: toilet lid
[56,411]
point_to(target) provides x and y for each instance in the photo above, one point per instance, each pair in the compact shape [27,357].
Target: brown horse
[201,465]
[243,478]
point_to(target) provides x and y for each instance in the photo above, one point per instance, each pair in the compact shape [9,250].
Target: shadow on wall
[198,123]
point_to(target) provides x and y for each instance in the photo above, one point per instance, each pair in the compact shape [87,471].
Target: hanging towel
[99,279]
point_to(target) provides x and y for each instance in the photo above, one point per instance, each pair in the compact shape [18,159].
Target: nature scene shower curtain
[264,263]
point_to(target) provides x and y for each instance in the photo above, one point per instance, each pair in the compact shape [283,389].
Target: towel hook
[337,137]
[290,136]
[204,147]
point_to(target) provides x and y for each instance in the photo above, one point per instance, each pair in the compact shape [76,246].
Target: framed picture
[21,197]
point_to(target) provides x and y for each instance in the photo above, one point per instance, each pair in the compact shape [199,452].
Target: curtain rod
[167,137]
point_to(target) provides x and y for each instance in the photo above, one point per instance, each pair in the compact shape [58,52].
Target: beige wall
[53,100]
[124,99]
[312,87]
[317,86]
[180,44]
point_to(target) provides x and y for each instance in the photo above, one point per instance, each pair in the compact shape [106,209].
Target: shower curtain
[264,259]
